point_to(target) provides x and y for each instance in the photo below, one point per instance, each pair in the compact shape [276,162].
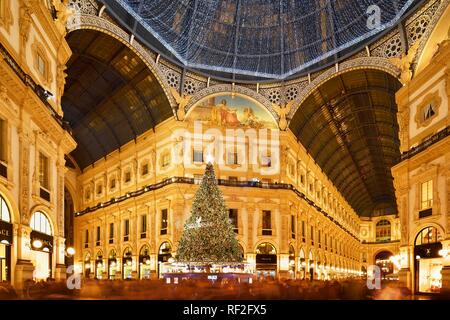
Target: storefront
[164,254]
[291,262]
[144,263]
[127,264]
[311,266]
[428,261]
[266,260]
[42,246]
[112,264]
[302,264]
[87,266]
[99,268]
[6,240]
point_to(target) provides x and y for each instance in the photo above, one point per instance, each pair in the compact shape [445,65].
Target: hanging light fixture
[37,244]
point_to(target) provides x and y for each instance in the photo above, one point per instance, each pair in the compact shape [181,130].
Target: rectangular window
[291,169]
[302,179]
[143,226]
[111,233]
[126,230]
[326,241]
[233,179]
[312,235]
[267,223]
[198,155]
[233,215]
[128,176]
[2,140]
[292,226]
[164,221]
[198,178]
[303,231]
[232,158]
[319,235]
[112,183]
[165,160]
[86,238]
[99,189]
[43,171]
[266,162]
[144,169]
[97,242]
[426,195]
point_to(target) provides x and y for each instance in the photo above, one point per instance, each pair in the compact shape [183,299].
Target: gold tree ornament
[282,111]
[182,101]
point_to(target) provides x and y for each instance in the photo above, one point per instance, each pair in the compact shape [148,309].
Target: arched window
[383,230]
[266,248]
[4,211]
[39,222]
[427,236]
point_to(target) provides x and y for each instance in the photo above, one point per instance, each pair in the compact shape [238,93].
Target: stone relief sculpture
[282,111]
[182,101]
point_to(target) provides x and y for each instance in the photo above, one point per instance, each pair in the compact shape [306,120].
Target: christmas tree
[208,234]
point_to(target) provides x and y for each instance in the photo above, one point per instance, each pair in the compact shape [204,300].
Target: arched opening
[87,265]
[266,260]
[99,267]
[311,265]
[164,254]
[41,238]
[383,261]
[302,264]
[383,231]
[291,262]
[68,224]
[112,264]
[428,261]
[127,264]
[6,240]
[144,263]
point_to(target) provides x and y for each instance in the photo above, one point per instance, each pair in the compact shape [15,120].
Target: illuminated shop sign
[6,233]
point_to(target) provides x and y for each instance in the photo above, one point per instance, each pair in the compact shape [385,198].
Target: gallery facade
[104,139]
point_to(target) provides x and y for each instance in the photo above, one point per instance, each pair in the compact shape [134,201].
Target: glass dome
[271,39]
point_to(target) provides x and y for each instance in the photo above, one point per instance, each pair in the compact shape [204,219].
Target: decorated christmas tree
[208,234]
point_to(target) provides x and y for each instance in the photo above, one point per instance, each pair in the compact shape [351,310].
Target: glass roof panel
[262,38]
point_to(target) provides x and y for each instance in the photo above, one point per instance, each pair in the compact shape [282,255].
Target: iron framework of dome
[256,39]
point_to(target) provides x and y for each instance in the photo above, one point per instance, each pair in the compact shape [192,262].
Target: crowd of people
[207,290]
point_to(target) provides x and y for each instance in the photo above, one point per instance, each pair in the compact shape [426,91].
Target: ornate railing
[221,182]
[426,144]
[42,94]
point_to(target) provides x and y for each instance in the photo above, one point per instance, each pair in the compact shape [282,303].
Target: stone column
[59,254]
[24,268]
[445,272]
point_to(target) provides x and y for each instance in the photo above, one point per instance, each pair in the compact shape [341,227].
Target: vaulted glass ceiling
[256,38]
[349,126]
[110,97]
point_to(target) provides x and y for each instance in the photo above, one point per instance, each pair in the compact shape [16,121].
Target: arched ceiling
[349,126]
[110,95]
